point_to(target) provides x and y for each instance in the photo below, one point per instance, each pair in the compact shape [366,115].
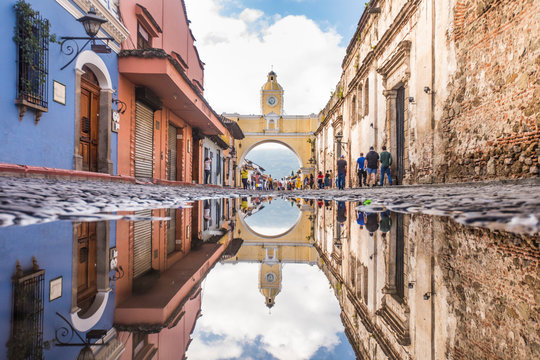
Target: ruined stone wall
[493,293]
[491,118]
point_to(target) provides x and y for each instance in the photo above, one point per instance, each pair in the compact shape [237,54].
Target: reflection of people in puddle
[244,205]
[386,223]
[327,204]
[206,213]
[320,203]
[341,217]
[360,219]
[372,222]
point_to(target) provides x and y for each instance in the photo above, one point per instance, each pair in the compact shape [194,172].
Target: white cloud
[305,317]
[250,15]
[239,52]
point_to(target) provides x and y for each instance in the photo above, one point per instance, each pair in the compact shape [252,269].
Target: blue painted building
[54,117]
[58,111]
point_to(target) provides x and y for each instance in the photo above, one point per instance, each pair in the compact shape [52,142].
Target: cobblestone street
[505,206]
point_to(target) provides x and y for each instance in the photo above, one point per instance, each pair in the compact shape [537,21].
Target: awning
[161,73]
[160,306]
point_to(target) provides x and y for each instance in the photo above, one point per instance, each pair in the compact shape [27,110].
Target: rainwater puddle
[267,278]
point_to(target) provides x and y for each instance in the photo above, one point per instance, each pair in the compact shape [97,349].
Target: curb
[40,172]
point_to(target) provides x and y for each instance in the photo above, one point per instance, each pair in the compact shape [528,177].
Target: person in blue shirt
[360,220]
[361,170]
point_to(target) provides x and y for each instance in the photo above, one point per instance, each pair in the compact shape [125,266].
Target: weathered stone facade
[491,117]
[450,87]
[429,288]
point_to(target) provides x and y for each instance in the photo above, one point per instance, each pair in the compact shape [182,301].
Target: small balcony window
[144,40]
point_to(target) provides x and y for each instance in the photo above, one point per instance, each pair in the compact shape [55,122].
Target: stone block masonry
[493,291]
[491,118]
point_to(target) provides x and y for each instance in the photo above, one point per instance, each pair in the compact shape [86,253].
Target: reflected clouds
[237,324]
[275,219]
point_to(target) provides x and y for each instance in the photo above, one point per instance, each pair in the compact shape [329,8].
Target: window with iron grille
[32,38]
[26,341]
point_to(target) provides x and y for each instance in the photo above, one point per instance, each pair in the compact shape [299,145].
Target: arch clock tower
[272,96]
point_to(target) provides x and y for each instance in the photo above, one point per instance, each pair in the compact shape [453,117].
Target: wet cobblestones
[512,206]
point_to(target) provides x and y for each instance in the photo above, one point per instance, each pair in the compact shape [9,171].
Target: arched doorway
[90,273]
[93,114]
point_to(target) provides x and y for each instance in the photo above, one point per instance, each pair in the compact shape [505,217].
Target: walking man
[361,169]
[372,159]
[207,170]
[386,161]
[342,171]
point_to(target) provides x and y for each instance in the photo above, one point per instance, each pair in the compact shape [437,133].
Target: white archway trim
[93,315]
[96,64]
[272,141]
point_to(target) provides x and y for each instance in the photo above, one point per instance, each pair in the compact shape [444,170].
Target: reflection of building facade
[271,252]
[293,131]
[413,287]
[157,306]
[64,268]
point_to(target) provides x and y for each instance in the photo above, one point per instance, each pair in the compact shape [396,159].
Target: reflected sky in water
[274,279]
[303,324]
[274,217]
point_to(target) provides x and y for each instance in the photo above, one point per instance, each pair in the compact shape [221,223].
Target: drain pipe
[375,112]
[433,92]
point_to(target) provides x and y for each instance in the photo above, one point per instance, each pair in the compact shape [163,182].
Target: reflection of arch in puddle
[265,236]
[272,141]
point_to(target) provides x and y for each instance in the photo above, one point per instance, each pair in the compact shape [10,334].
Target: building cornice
[113,26]
[400,20]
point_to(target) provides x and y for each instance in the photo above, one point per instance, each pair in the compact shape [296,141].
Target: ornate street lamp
[92,24]
[340,144]
[64,337]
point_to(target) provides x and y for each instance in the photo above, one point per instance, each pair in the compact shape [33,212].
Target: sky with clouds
[236,324]
[240,40]
[275,219]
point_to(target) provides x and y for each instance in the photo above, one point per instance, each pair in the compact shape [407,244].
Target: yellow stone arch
[296,132]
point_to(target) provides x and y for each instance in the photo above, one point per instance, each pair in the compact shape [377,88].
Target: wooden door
[86,264]
[89,124]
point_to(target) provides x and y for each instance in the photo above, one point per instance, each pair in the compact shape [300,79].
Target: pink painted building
[161,81]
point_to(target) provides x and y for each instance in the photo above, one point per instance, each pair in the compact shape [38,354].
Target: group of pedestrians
[324,181]
[367,167]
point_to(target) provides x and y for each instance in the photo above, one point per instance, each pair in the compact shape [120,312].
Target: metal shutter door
[171,166]
[144,140]
[142,244]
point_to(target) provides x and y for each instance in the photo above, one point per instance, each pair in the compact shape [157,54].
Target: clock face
[270,277]
[271,100]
